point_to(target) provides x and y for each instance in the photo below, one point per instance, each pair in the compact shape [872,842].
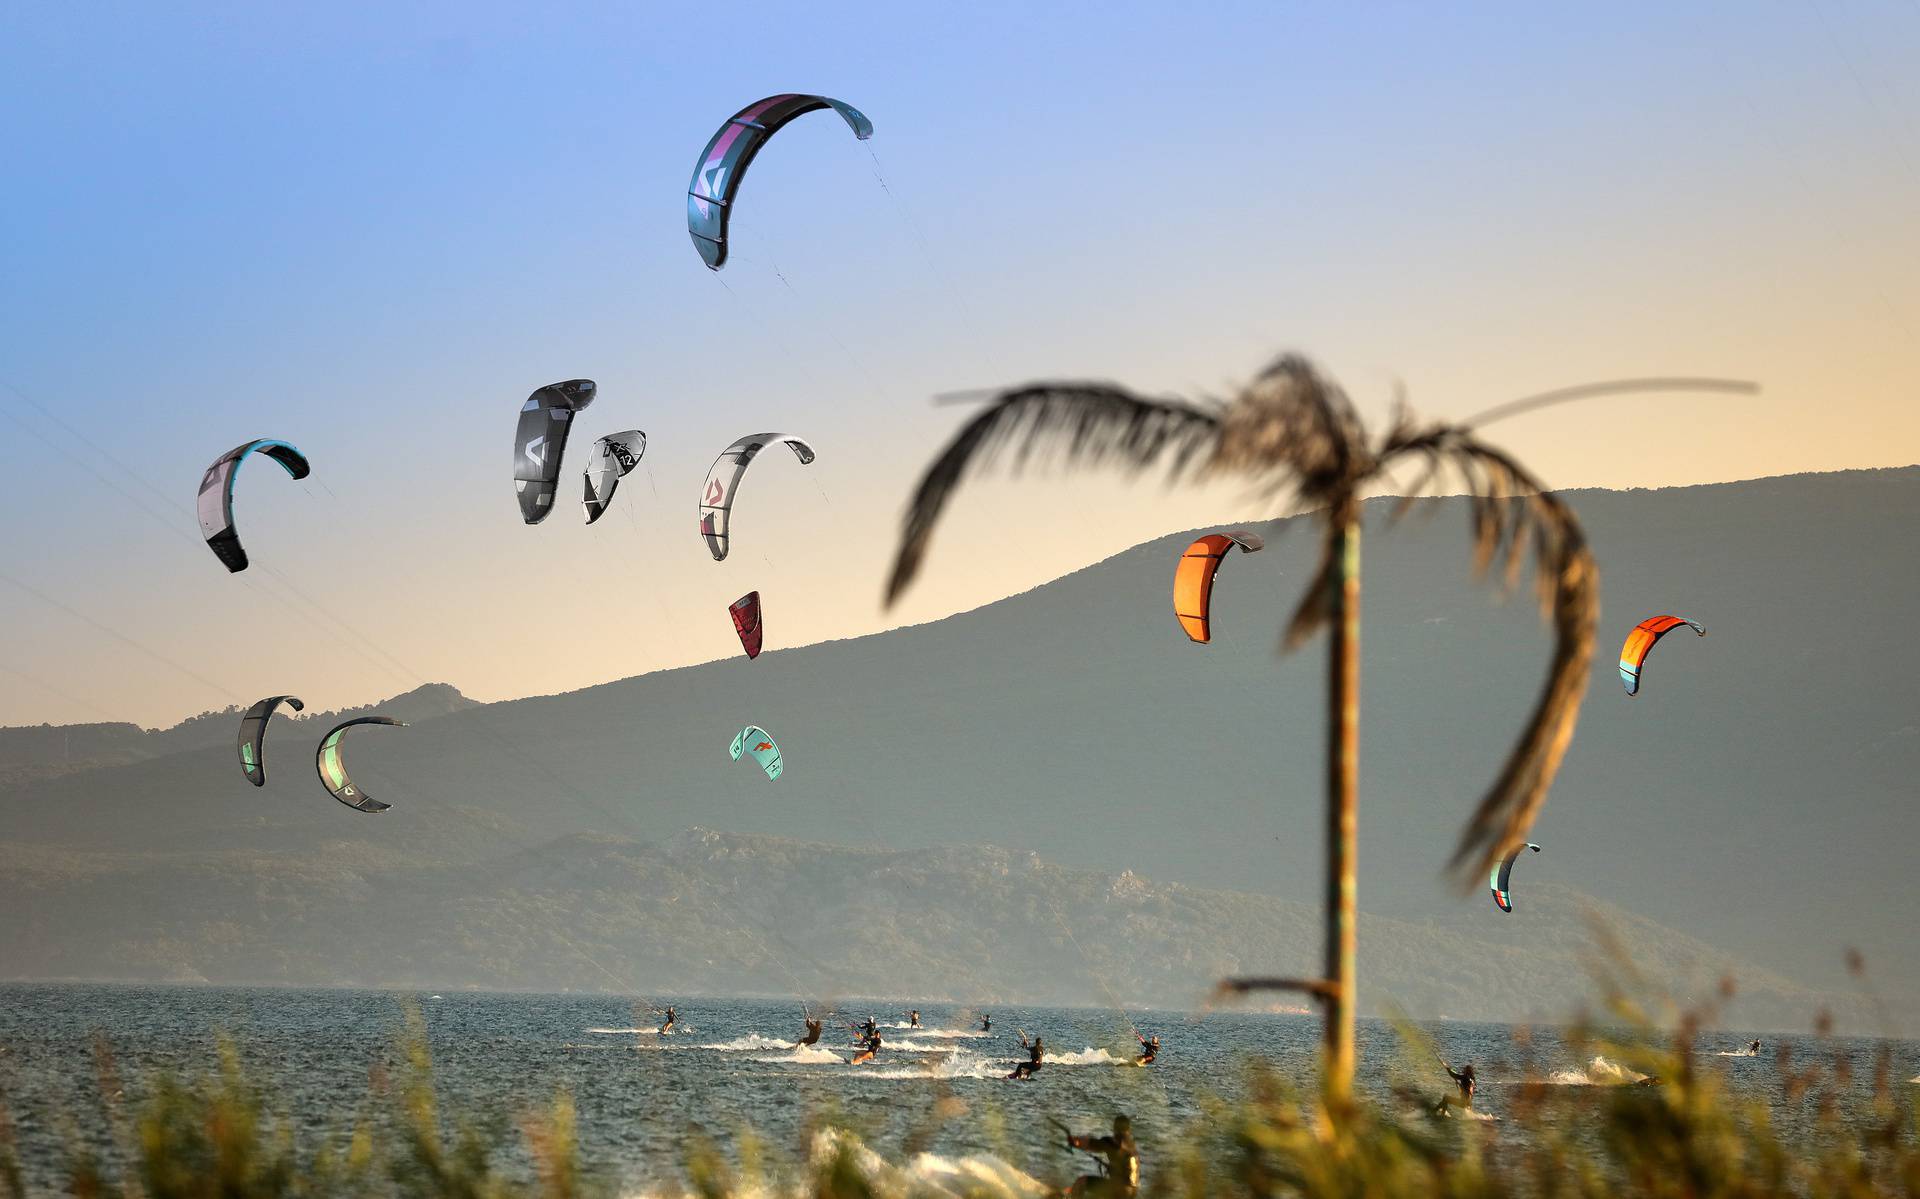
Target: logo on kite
[537,451]
[714,492]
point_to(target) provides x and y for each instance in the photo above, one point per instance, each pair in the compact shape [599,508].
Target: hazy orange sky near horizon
[373,235]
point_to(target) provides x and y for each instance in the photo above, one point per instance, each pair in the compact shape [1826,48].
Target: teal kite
[757,741]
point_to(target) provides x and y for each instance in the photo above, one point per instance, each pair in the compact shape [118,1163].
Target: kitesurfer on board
[1149,1049]
[1036,1051]
[1462,1078]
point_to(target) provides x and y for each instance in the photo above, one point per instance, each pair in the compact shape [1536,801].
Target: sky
[372,230]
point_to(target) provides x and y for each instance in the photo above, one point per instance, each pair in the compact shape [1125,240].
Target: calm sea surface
[731,1064]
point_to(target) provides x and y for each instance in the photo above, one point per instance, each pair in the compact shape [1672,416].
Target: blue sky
[372,231]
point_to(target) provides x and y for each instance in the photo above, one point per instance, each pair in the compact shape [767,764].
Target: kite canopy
[723,164]
[1503,874]
[716,498]
[757,741]
[215,503]
[613,456]
[253,734]
[333,770]
[1640,642]
[746,622]
[541,439]
[1193,578]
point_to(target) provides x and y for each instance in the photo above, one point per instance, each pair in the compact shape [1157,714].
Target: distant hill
[712,913]
[48,751]
[1757,797]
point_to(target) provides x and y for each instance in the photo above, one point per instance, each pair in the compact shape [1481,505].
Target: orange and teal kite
[1640,642]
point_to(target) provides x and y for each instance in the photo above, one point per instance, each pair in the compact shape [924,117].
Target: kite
[540,440]
[1640,642]
[253,734]
[215,503]
[716,498]
[333,771]
[757,741]
[613,457]
[746,622]
[1193,578]
[1503,874]
[723,164]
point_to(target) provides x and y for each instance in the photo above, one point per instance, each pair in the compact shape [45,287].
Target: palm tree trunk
[1343,797]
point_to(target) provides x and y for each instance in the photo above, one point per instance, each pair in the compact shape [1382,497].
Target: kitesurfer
[1149,1049]
[1036,1051]
[913,1018]
[1120,1163]
[668,1025]
[868,1047]
[986,1022]
[1462,1078]
[813,1033]
[1753,1050]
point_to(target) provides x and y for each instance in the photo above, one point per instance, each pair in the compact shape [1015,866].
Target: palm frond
[1084,424]
[1293,428]
[1517,523]
[1319,988]
[1609,387]
[1315,608]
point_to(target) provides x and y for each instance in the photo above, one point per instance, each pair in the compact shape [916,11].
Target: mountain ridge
[1753,797]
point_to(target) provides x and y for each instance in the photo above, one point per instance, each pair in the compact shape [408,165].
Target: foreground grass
[1687,1136]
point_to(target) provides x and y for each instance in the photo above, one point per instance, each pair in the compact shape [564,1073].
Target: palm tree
[1293,433]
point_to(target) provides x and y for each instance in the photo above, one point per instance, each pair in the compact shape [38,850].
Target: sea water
[731,1064]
